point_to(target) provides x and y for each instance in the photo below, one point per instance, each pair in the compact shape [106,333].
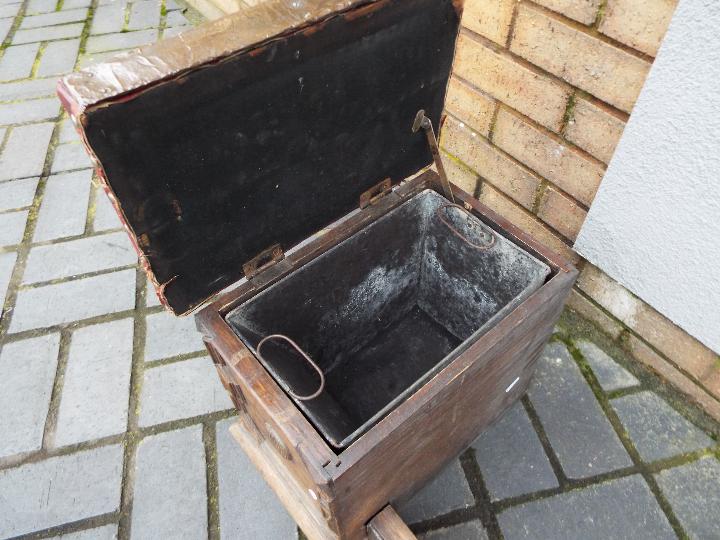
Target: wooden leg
[388,525]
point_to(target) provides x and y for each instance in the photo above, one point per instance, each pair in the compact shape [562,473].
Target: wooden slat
[388,525]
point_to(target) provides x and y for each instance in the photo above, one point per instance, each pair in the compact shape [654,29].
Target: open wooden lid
[260,128]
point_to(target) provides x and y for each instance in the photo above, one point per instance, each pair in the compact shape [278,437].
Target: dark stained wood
[387,525]
[333,495]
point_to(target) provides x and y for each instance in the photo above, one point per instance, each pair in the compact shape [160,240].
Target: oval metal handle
[441,213]
[307,359]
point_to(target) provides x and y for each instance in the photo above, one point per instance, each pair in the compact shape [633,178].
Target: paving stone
[17,193]
[70,157]
[96,387]
[74,4]
[67,128]
[242,517]
[48,33]
[27,89]
[59,58]
[151,297]
[169,499]
[27,375]
[693,491]
[447,491]
[623,508]
[512,458]
[610,374]
[580,434]
[53,18]
[144,14]
[657,430]
[40,6]
[109,18]
[74,300]
[181,390]
[12,227]
[9,10]
[76,257]
[472,530]
[7,264]
[105,215]
[64,206]
[171,5]
[25,151]
[17,62]
[170,335]
[5,25]
[125,40]
[29,111]
[107,532]
[176,18]
[60,490]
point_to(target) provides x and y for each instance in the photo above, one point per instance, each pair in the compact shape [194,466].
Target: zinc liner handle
[443,217]
[307,359]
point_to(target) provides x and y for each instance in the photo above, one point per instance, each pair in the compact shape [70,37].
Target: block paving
[114,424]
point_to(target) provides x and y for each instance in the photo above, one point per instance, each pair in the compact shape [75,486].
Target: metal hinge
[263,260]
[372,195]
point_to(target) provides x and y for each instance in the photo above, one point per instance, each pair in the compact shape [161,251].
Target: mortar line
[539,429]
[74,526]
[48,440]
[480,492]
[212,483]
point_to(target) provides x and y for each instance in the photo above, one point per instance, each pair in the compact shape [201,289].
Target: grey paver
[237,477]
[7,263]
[151,297]
[169,500]
[693,491]
[59,58]
[623,508]
[17,62]
[53,18]
[64,206]
[447,491]
[511,457]
[48,33]
[74,300]
[17,193]
[471,530]
[59,490]
[76,257]
[74,4]
[176,18]
[657,430]
[68,133]
[108,18]
[169,335]
[27,89]
[181,390]
[5,25]
[107,532]
[580,434]
[9,10]
[27,375]
[114,42]
[12,227]
[25,151]
[610,374]
[105,215]
[29,111]
[94,401]
[70,157]
[144,14]
[40,6]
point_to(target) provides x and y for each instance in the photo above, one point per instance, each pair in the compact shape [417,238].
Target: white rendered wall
[655,223]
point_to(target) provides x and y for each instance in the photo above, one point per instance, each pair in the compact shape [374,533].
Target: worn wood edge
[388,525]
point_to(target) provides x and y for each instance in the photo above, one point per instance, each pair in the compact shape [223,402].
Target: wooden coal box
[367,318]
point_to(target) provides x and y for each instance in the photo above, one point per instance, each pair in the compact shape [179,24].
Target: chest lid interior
[260,128]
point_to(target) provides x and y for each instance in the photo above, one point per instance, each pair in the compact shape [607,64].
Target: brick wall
[540,94]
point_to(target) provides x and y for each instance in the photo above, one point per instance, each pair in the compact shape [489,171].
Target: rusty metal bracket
[263,260]
[372,195]
[422,121]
